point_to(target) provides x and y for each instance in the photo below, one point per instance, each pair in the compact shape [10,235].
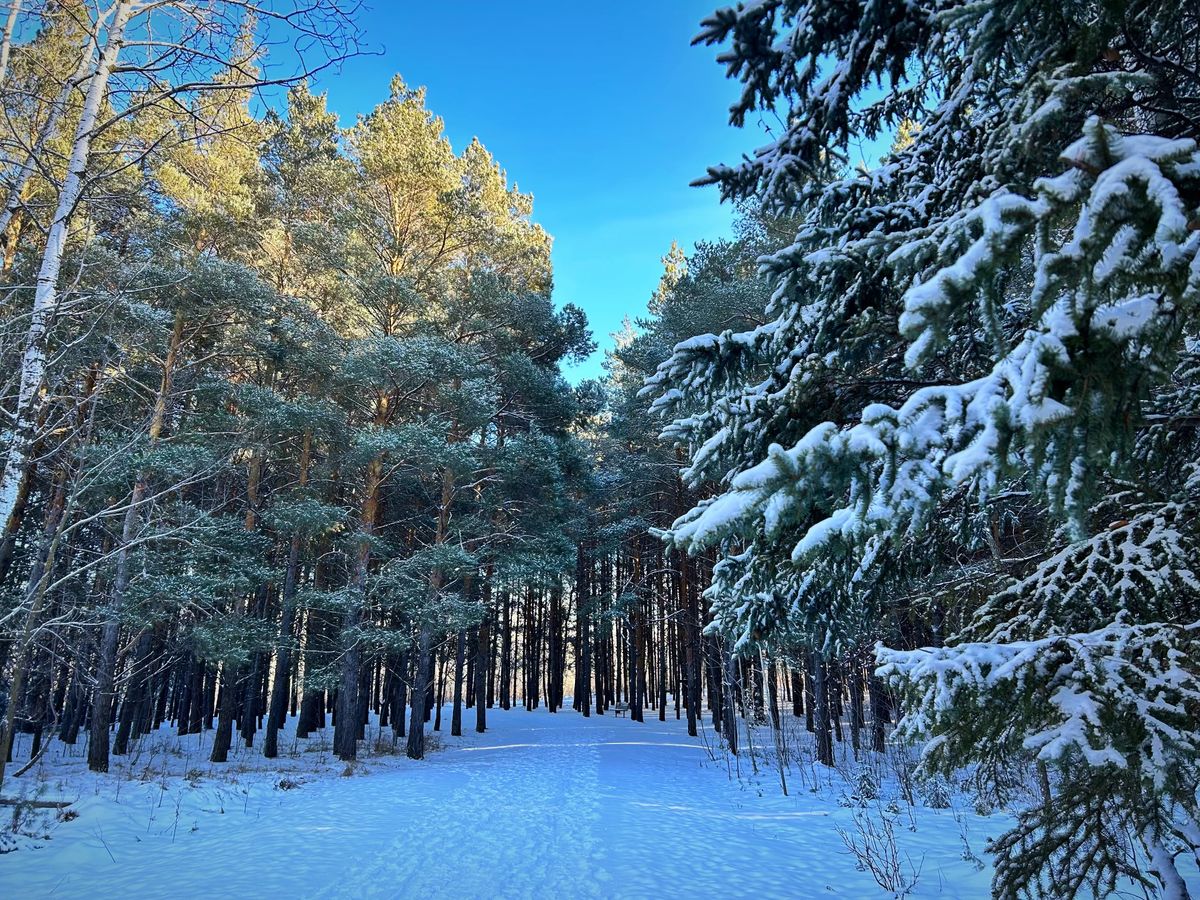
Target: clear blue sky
[603,111]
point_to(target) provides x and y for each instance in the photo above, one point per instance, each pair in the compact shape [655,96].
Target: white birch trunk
[46,296]
[12,202]
[10,24]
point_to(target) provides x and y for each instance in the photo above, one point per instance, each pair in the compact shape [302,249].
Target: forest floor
[542,805]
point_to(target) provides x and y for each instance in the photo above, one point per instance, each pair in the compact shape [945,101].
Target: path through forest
[543,805]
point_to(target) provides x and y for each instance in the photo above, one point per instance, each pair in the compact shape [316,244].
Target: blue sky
[602,111]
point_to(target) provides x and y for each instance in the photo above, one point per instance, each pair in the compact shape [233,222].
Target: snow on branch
[1121,226]
[1123,695]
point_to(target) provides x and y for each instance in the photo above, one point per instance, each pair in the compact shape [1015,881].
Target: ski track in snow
[542,805]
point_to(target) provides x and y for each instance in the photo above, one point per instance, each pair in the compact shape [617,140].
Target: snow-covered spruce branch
[1113,711]
[1130,243]
[1123,695]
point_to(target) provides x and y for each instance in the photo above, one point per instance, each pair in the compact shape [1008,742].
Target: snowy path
[540,806]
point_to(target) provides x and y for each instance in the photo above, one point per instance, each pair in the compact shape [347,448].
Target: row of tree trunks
[649,653]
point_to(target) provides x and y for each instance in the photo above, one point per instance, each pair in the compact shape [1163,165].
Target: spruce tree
[980,329]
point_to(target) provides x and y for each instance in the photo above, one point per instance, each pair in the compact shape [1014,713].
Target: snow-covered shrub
[866,784]
[935,792]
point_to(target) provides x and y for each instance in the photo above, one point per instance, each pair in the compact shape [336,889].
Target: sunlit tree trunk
[36,155]
[415,748]
[106,667]
[10,24]
[46,293]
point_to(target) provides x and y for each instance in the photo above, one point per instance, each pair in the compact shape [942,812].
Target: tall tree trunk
[820,679]
[106,668]
[553,649]
[729,707]
[879,713]
[482,661]
[797,689]
[506,651]
[231,675]
[287,625]
[460,655]
[481,675]
[46,295]
[35,594]
[583,604]
[223,736]
[58,511]
[345,732]
[10,24]
[401,700]
[415,746]
[135,692]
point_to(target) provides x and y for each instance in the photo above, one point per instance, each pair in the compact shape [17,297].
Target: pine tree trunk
[232,677]
[35,594]
[223,736]
[482,638]
[600,664]
[820,669]
[199,698]
[135,693]
[183,709]
[583,602]
[401,696]
[106,672]
[346,726]
[505,652]
[554,650]
[460,655]
[810,697]
[422,683]
[692,652]
[797,687]
[662,677]
[729,708]
[283,659]
[771,689]
[415,748]
[856,710]
[879,715]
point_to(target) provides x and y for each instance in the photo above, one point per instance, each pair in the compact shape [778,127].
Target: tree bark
[232,676]
[415,748]
[106,672]
[283,659]
[46,295]
[460,655]
[820,679]
[345,732]
[10,24]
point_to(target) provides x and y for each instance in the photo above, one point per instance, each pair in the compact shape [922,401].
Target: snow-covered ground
[542,805]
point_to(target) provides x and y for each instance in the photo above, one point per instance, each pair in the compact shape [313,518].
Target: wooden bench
[620,708]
